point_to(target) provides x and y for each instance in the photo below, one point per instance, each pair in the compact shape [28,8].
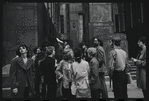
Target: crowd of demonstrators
[140,61]
[75,73]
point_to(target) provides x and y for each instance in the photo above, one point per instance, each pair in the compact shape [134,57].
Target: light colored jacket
[64,70]
[81,71]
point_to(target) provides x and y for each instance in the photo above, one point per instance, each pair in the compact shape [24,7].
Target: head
[141,41]
[65,43]
[44,45]
[84,46]
[67,57]
[23,49]
[37,50]
[111,42]
[91,52]
[77,54]
[117,41]
[50,50]
[67,46]
[97,42]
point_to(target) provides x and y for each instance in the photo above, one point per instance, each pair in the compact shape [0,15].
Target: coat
[64,69]
[95,82]
[48,71]
[101,57]
[80,72]
[141,70]
[18,73]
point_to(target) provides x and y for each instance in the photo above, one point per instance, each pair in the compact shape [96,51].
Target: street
[133,91]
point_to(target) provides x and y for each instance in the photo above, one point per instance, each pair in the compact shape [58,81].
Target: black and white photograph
[71,50]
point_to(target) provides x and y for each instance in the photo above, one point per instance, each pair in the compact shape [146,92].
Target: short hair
[91,51]
[49,50]
[18,50]
[117,41]
[143,39]
[67,56]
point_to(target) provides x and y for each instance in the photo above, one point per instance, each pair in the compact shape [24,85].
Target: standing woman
[141,65]
[95,83]
[21,74]
[80,71]
[63,72]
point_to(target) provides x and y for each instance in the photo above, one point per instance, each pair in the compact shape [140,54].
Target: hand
[15,90]
[138,62]
[134,60]
[61,77]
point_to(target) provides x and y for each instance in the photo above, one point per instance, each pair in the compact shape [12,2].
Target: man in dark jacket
[48,70]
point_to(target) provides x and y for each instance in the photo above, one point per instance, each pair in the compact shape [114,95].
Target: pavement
[133,90]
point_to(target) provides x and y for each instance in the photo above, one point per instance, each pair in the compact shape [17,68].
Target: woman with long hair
[22,74]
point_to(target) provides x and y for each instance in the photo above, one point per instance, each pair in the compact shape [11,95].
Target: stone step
[133,66]
[133,73]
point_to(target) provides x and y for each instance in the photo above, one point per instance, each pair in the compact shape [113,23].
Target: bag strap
[87,83]
[74,76]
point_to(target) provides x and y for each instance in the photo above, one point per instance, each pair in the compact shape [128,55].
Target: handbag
[73,88]
[83,93]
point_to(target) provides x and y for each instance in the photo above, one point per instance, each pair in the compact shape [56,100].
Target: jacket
[19,74]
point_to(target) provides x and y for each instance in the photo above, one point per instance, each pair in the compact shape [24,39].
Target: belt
[120,70]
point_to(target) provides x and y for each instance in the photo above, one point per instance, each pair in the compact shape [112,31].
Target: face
[96,41]
[38,50]
[23,50]
[140,44]
[88,55]
[53,52]
[83,46]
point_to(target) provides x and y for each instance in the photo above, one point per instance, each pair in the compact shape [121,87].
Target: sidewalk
[133,91]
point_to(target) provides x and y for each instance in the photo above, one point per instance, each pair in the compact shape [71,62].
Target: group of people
[80,73]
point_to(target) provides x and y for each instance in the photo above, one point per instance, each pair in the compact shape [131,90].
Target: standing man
[117,62]
[101,57]
[48,70]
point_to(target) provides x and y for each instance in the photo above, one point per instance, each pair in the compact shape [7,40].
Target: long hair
[78,54]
